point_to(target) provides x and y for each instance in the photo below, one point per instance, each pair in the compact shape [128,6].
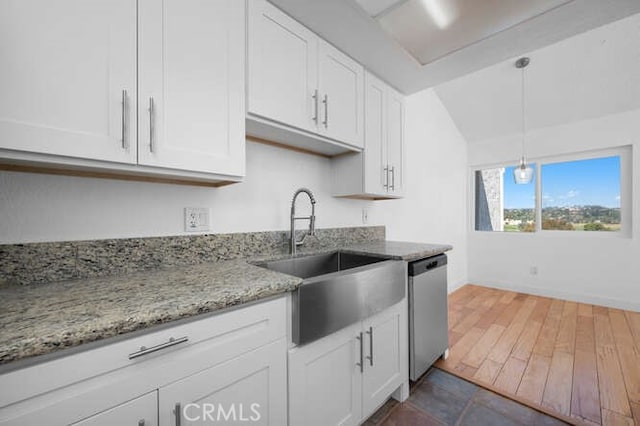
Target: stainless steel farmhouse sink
[339,289]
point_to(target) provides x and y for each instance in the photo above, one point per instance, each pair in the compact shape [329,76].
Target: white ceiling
[346,25]
[590,75]
[431,29]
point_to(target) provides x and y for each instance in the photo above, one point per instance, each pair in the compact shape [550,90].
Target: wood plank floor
[577,361]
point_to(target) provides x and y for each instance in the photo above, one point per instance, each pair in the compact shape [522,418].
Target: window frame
[625,152]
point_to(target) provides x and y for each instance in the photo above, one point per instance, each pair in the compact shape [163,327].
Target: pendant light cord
[523,115]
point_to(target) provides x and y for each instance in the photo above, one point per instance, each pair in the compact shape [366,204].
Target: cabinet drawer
[210,340]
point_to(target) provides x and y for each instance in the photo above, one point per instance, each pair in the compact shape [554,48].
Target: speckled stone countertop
[398,249]
[36,320]
[42,319]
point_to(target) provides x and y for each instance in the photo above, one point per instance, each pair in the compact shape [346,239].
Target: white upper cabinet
[341,84]
[299,83]
[147,87]
[375,155]
[282,72]
[191,110]
[395,142]
[376,173]
[67,66]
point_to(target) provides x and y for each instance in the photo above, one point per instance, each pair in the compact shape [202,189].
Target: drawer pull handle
[145,351]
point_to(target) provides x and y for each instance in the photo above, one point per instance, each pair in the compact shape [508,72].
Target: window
[501,205]
[580,193]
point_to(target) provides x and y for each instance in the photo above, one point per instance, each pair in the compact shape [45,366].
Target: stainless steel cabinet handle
[145,351]
[152,116]
[393,178]
[325,101]
[124,119]
[370,357]
[386,178]
[141,422]
[361,363]
[177,414]
[315,106]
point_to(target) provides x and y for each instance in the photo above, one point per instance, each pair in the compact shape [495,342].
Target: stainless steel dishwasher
[428,313]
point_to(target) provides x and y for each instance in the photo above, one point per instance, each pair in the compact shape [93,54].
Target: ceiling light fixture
[523,173]
[441,15]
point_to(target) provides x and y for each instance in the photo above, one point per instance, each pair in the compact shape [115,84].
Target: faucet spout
[294,243]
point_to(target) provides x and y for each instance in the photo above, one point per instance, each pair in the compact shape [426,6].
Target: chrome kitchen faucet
[294,243]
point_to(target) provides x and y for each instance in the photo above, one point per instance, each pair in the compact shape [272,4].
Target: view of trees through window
[580,195]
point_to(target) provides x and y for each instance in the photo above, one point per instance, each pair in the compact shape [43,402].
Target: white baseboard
[559,294]
[453,287]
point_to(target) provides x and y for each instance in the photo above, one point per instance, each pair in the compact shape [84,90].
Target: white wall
[58,208]
[580,266]
[435,206]
[36,208]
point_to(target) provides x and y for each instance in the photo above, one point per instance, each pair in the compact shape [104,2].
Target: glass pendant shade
[523,174]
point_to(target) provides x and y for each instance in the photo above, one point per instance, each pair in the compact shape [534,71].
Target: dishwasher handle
[425,265]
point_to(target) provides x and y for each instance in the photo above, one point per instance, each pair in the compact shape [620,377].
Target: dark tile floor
[440,398]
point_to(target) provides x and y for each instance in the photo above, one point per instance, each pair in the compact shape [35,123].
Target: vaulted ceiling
[590,75]
[348,26]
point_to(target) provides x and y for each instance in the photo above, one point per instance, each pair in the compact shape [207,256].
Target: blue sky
[575,183]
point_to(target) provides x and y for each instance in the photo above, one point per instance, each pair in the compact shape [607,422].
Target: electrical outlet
[196,219]
[533,270]
[365,216]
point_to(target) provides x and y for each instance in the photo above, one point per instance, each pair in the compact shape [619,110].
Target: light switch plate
[196,219]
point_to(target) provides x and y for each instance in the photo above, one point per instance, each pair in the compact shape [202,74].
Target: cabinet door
[341,85]
[48,409]
[395,142]
[282,68]
[141,411]
[325,382]
[251,388]
[66,67]
[375,142]
[385,369]
[191,110]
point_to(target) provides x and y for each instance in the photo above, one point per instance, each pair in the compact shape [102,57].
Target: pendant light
[523,173]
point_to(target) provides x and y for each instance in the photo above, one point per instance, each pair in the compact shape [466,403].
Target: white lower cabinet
[142,411]
[343,378]
[385,340]
[249,389]
[325,382]
[231,366]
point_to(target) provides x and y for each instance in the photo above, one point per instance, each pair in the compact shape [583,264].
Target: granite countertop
[398,249]
[36,320]
[42,319]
